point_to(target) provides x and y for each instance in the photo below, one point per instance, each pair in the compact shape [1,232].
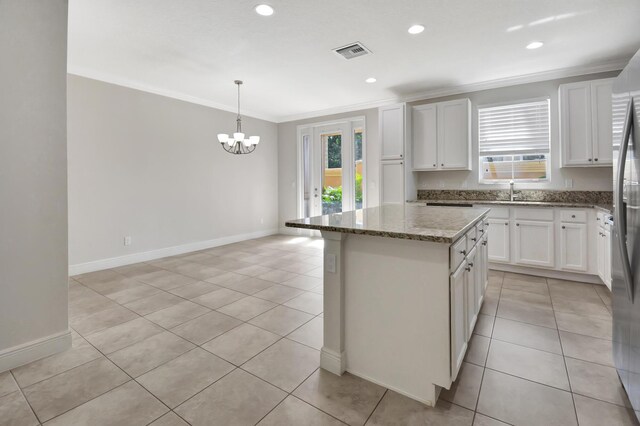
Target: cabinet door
[483,275]
[454,135]
[499,240]
[607,257]
[392,182]
[601,112]
[575,124]
[470,296]
[458,319]
[392,131]
[573,246]
[425,137]
[534,243]
[485,265]
[600,250]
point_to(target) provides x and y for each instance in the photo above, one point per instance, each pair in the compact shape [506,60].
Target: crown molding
[428,94]
[467,88]
[131,84]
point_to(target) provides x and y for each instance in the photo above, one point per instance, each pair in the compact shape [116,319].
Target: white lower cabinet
[467,286]
[499,233]
[573,246]
[603,244]
[472,276]
[534,243]
[458,319]
[607,258]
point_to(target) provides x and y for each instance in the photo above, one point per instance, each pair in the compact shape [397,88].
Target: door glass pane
[357,146]
[306,175]
[332,173]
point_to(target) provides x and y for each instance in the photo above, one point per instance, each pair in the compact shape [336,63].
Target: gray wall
[287,160]
[150,167]
[33,171]
[583,178]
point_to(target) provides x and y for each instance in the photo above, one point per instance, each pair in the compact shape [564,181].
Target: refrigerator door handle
[619,219]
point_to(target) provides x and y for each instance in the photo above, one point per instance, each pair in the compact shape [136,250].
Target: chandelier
[237,144]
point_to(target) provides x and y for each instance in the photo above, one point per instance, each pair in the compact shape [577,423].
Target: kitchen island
[403,285]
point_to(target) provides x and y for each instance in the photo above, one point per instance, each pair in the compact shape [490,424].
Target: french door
[332,168]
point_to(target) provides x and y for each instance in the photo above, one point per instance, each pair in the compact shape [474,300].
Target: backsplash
[582,197]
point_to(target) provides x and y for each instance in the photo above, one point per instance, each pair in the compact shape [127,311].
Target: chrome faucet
[511,196]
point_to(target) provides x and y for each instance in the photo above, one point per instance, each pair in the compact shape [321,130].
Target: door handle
[619,222]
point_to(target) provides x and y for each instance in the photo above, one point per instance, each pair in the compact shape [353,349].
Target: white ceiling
[194,49]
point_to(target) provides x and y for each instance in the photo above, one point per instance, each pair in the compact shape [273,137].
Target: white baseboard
[114,262]
[332,361]
[34,350]
[547,273]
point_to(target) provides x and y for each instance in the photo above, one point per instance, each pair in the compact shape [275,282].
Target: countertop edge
[390,234]
[557,204]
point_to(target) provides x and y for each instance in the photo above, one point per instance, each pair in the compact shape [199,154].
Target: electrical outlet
[127,240]
[568,183]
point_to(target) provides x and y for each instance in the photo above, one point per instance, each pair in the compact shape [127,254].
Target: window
[514,142]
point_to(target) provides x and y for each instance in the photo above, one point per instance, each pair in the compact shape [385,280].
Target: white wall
[150,167]
[596,179]
[33,180]
[287,160]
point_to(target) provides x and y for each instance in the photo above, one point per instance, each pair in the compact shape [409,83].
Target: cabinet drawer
[577,216]
[600,218]
[472,238]
[497,212]
[458,252]
[533,214]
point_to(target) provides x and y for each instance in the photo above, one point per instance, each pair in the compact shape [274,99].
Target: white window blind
[514,129]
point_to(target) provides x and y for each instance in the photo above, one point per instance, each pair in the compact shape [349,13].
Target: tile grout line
[25,397]
[484,368]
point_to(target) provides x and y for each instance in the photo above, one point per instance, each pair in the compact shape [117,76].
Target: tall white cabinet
[441,138]
[585,123]
[396,180]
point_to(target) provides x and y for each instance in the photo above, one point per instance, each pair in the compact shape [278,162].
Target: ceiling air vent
[352,51]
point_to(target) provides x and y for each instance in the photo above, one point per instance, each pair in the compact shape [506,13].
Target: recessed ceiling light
[371,80]
[416,29]
[535,45]
[264,10]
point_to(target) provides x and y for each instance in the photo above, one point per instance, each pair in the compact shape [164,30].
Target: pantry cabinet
[585,123]
[441,136]
[397,183]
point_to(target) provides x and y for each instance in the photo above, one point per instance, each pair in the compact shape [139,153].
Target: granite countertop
[605,207]
[409,222]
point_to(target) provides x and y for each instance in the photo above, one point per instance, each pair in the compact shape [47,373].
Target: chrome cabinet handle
[573,216]
[517,224]
[468,269]
[474,239]
[463,252]
[595,159]
[506,224]
[563,227]
[484,243]
[470,264]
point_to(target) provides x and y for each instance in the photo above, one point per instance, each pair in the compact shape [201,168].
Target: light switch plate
[330,262]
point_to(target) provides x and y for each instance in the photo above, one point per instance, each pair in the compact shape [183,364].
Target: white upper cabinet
[392,127]
[425,130]
[442,136]
[601,107]
[585,123]
[454,134]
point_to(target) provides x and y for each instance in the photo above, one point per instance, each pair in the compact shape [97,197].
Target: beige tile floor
[231,336]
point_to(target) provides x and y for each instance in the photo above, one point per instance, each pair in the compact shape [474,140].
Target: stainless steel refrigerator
[625,259]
